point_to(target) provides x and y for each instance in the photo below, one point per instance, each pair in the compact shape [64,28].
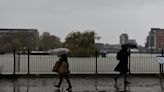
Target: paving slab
[82,84]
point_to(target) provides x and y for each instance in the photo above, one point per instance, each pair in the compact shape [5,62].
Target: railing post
[162,52]
[96,72]
[161,67]
[96,62]
[160,71]
[129,62]
[14,65]
[28,61]
[14,62]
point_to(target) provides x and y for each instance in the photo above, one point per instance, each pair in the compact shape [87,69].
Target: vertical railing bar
[14,62]
[96,63]
[28,61]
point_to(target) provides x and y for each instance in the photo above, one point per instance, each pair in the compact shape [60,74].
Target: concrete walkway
[82,84]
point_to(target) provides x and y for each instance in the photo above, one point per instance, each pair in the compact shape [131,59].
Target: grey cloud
[109,18]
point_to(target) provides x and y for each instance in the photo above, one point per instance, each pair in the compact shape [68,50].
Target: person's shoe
[115,79]
[57,86]
[70,88]
[115,85]
[57,90]
[126,82]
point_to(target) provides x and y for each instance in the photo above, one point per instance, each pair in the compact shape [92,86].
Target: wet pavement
[82,84]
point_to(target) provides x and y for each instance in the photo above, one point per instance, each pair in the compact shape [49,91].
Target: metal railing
[43,64]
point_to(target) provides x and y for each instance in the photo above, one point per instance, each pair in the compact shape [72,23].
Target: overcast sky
[109,18]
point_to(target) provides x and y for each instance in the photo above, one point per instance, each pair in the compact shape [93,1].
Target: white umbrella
[59,51]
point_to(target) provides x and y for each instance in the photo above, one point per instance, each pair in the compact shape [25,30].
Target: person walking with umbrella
[123,55]
[64,71]
[62,68]
[122,66]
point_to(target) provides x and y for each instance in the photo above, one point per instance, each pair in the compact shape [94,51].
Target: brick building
[155,40]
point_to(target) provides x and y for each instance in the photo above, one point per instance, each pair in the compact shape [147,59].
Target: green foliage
[81,44]
[17,41]
[25,40]
[47,41]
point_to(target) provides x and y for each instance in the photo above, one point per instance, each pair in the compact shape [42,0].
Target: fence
[42,64]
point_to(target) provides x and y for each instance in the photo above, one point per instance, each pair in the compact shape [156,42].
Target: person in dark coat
[63,58]
[122,66]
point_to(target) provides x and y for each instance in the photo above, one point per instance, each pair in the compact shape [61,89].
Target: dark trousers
[122,74]
[67,79]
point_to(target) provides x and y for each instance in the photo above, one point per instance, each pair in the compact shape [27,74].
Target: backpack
[56,66]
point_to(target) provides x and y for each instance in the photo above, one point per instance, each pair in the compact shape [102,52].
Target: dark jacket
[122,66]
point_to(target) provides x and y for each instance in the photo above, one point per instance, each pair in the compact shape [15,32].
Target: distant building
[147,43]
[32,36]
[108,48]
[123,38]
[155,40]
[114,48]
[99,46]
[132,41]
[159,42]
